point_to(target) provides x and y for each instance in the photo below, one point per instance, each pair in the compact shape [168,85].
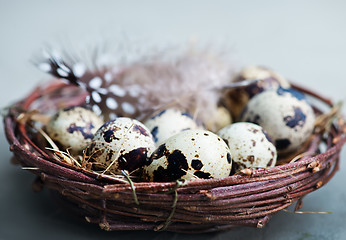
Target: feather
[188,82]
[187,79]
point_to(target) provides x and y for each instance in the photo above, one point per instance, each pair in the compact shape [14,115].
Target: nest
[249,198]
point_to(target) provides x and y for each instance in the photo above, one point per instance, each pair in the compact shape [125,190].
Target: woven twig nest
[248,198]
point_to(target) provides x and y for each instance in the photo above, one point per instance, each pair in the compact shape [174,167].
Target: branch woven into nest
[249,198]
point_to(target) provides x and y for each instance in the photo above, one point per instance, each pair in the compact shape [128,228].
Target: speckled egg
[250,146]
[73,127]
[121,144]
[190,154]
[239,97]
[285,114]
[168,123]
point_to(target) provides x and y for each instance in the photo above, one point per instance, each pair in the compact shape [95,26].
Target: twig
[305,212]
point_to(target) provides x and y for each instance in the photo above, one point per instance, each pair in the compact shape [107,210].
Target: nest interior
[249,198]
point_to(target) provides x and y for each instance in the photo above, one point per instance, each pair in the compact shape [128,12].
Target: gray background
[303,40]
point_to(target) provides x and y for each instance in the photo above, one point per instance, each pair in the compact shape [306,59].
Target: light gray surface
[303,40]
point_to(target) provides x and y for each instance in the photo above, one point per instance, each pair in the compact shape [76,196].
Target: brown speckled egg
[121,144]
[239,97]
[187,155]
[73,127]
[285,114]
[250,146]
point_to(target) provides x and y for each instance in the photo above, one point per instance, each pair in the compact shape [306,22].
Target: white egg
[121,144]
[168,123]
[190,154]
[250,146]
[284,114]
[73,127]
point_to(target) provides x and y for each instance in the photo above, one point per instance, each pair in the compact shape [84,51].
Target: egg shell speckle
[190,154]
[250,146]
[122,144]
[285,114]
[168,123]
[74,127]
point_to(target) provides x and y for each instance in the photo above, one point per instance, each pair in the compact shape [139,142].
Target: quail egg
[285,114]
[168,123]
[121,144]
[250,146]
[237,98]
[189,154]
[73,127]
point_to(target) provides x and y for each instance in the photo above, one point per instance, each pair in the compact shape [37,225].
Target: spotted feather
[187,79]
[106,97]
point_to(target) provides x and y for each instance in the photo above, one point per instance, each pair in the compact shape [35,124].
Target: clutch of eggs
[171,145]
